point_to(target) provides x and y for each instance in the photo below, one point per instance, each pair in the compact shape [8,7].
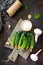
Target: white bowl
[26,25]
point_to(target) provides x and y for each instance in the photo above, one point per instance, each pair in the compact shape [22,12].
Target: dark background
[34,6]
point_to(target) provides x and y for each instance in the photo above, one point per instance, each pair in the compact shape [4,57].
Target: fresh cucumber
[21,40]
[17,38]
[13,39]
[23,46]
[28,40]
[32,41]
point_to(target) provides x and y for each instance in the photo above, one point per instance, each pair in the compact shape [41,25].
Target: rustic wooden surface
[34,6]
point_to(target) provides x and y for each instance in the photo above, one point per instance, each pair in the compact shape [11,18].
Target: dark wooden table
[34,6]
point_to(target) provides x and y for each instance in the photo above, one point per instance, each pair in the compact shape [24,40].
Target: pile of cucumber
[22,40]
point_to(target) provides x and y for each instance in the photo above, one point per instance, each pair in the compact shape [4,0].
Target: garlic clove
[7,43]
[9,26]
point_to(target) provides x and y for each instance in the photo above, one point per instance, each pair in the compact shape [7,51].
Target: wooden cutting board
[24,54]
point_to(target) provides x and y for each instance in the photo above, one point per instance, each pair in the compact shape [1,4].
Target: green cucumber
[13,39]
[28,40]
[23,46]
[17,38]
[21,40]
[32,42]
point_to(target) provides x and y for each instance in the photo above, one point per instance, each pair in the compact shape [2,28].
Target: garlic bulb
[34,57]
[37,32]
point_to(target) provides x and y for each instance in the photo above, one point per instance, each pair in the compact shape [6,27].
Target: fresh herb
[36,15]
[26,7]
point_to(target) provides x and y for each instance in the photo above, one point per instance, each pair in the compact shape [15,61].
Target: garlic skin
[26,25]
[37,32]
